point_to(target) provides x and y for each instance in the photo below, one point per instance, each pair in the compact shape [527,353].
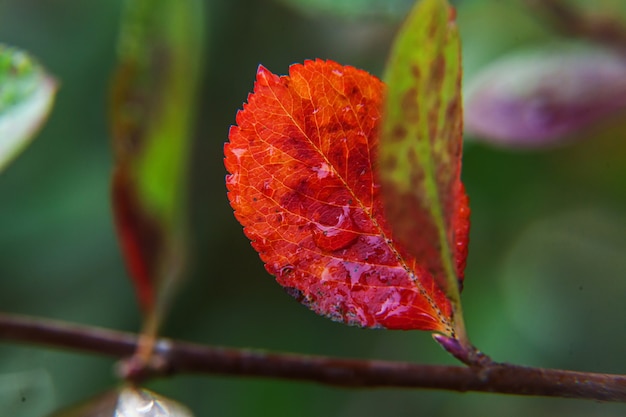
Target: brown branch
[179,357]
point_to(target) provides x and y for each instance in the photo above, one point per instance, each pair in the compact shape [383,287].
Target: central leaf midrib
[422,291]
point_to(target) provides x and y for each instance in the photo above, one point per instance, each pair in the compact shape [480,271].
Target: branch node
[468,354]
[138,368]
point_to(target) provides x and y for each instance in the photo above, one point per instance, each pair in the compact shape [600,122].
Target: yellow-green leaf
[152,113]
[421,145]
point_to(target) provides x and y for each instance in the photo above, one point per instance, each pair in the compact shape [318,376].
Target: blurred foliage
[152,115]
[26,96]
[126,401]
[391,9]
[533,214]
[542,97]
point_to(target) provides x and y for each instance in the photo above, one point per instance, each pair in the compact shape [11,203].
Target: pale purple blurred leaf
[542,97]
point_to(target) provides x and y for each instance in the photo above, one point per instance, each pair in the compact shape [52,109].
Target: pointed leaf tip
[301,182]
[261,70]
[264,76]
[452,14]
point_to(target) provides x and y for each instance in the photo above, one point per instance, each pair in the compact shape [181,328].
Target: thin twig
[180,357]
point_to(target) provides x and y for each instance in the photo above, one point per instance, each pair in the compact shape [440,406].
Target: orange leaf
[303,186]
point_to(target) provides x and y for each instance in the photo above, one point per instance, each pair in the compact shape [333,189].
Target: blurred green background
[546,273]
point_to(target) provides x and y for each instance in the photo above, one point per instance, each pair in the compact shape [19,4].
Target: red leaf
[302,184]
[140,237]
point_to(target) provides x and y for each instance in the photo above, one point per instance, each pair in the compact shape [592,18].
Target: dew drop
[238,152]
[285,271]
[377,251]
[267,189]
[323,171]
[232,179]
[335,236]
[357,271]
[362,221]
[336,271]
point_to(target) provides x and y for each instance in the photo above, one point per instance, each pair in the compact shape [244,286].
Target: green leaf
[26,96]
[152,113]
[98,406]
[421,145]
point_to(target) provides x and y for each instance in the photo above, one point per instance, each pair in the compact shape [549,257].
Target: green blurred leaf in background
[26,96]
[354,9]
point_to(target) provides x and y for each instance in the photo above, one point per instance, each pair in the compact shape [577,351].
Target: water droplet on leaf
[267,189]
[285,271]
[324,170]
[332,237]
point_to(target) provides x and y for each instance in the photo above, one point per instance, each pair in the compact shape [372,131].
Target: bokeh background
[546,275]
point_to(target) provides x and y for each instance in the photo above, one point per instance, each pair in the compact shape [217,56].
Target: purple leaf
[543,97]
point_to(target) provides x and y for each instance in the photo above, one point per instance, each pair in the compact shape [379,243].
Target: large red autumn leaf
[302,183]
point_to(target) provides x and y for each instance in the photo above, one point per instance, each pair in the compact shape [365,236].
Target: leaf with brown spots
[421,145]
[302,183]
[152,112]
